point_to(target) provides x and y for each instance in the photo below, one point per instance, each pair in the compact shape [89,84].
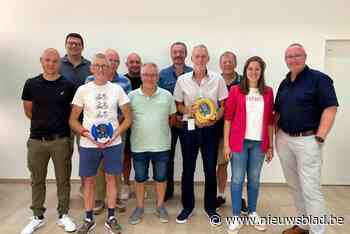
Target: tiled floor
[275,200]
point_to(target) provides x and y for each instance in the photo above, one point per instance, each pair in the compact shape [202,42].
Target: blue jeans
[159,164]
[250,161]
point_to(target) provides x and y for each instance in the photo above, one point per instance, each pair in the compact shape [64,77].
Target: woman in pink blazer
[248,133]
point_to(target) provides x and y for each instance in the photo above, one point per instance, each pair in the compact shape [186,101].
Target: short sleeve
[72,90]
[222,91]
[26,93]
[172,105]
[326,95]
[178,92]
[122,97]
[161,79]
[78,98]
[276,106]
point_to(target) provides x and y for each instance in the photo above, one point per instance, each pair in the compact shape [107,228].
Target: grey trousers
[301,160]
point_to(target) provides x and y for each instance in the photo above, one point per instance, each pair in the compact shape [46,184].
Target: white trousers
[301,161]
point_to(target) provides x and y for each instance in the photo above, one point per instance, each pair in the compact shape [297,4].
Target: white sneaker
[258,223]
[125,192]
[33,225]
[234,226]
[67,223]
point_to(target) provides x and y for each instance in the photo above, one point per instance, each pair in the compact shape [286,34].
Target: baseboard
[77,181]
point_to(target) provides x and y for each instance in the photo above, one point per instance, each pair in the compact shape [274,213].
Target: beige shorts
[221,158]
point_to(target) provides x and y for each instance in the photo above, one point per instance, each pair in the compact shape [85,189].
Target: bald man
[46,101]
[133,63]
[305,106]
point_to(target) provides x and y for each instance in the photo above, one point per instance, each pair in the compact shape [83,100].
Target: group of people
[137,118]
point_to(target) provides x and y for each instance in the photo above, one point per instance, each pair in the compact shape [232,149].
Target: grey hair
[150,64]
[100,56]
[229,53]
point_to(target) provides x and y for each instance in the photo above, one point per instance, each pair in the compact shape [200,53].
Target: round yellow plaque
[206,110]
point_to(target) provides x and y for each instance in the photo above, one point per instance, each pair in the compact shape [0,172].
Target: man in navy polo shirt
[167,80]
[306,105]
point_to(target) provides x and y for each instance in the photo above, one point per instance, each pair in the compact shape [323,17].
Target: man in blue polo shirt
[306,105]
[75,68]
[167,80]
[73,65]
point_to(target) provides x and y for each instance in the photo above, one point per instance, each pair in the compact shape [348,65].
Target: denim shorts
[90,159]
[141,163]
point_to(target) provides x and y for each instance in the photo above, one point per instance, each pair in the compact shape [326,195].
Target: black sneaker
[214,218]
[244,208]
[112,226]
[183,216]
[220,201]
[87,226]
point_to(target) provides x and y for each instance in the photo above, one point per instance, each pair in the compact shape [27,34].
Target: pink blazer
[235,111]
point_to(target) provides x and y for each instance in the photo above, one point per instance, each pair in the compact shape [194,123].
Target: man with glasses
[124,82]
[75,68]
[100,138]
[73,65]
[152,107]
[167,80]
[305,107]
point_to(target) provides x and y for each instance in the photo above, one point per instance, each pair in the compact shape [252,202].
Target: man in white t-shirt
[100,131]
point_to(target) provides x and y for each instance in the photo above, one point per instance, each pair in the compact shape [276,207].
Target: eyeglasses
[297,56]
[114,61]
[100,67]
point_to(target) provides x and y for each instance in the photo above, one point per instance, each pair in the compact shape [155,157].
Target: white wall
[249,28]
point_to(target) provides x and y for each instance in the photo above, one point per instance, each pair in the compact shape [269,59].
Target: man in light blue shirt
[153,111]
[167,80]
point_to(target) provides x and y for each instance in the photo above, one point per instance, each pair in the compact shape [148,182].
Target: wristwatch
[319,139]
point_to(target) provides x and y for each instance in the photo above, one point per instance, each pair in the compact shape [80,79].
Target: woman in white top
[248,136]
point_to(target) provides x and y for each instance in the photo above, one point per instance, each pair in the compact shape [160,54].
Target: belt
[48,138]
[306,133]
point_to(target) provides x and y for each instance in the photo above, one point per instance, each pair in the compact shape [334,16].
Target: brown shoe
[295,230]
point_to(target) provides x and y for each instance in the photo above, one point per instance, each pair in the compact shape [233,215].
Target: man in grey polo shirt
[153,110]
[191,86]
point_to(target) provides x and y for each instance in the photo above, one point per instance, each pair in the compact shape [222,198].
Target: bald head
[113,58]
[133,56]
[133,64]
[50,51]
[50,62]
[295,58]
